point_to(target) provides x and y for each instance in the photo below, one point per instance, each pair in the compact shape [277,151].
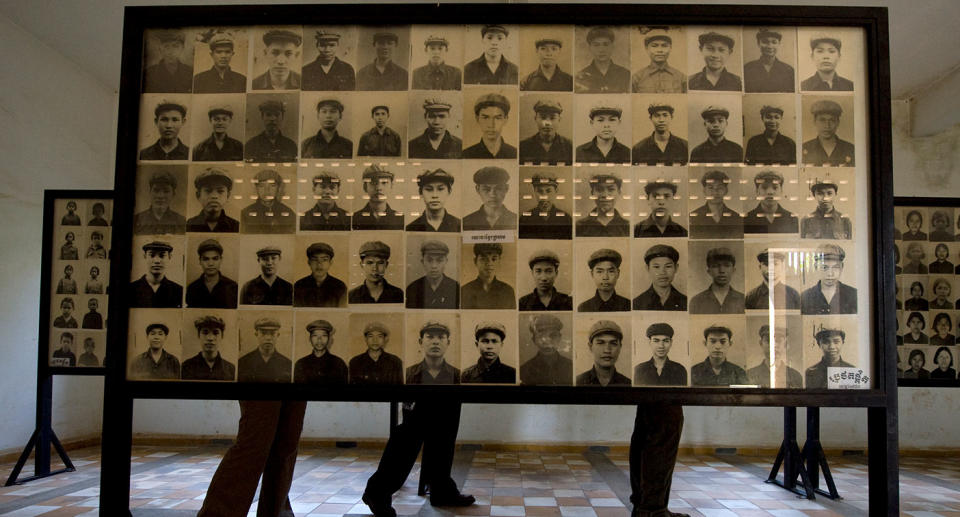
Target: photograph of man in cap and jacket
[548,367]
[604,220]
[492,67]
[659,370]
[492,112]
[383,73]
[159,218]
[825,53]
[662,146]
[375,365]
[767,74]
[825,222]
[155,363]
[169,117]
[374,260]
[545,220]
[546,146]
[265,363]
[716,148]
[771,147]
[769,216]
[604,265]
[544,266]
[213,192]
[489,337]
[434,290]
[154,289]
[784,376]
[320,366]
[212,290]
[220,78]
[434,368]
[327,143]
[661,198]
[662,262]
[325,215]
[486,291]
[377,214]
[169,74]
[208,364]
[270,145]
[829,295]
[605,341]
[716,49]
[719,297]
[772,270]
[830,341]
[436,74]
[602,75]
[268,214]
[435,187]
[492,184]
[715,220]
[219,146]
[436,142]
[267,288]
[658,76]
[281,54]
[716,369]
[327,72]
[604,147]
[548,77]
[827,149]
[319,288]
[380,140]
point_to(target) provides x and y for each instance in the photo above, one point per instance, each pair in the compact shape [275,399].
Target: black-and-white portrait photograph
[66,281]
[602,275]
[660,130]
[383,55]
[660,67]
[546,58]
[327,132]
[914,327]
[435,125]
[829,203]
[715,203]
[376,270]
[432,276]
[915,256]
[916,290]
[546,203]
[602,129]
[266,270]
[380,200]
[828,132]
[432,196]
[660,205]
[321,268]
[830,342]
[329,58]
[488,275]
[157,272]
[168,61]
[93,315]
[494,186]
[220,60]
[489,349]
[93,277]
[942,293]
[90,349]
[775,351]
[95,244]
[661,352]
[489,132]
[211,345]
[99,212]
[277,53]
[941,224]
[546,349]
[218,128]
[432,348]
[602,350]
[210,207]
[915,362]
[714,58]
[769,59]
[325,197]
[546,128]
[718,351]
[66,243]
[660,281]
[376,348]
[829,58]
[942,259]
[70,212]
[267,193]
[912,223]
[65,311]
[321,347]
[164,133]
[272,126]
[154,349]
[716,128]
[943,328]
[602,201]
[436,57]
[829,289]
[213,267]
[770,126]
[547,285]
[161,199]
[601,59]
[772,271]
[716,277]
[491,54]
[266,346]
[379,122]
[775,200]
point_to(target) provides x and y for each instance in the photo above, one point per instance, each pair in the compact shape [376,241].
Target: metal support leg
[814,458]
[789,456]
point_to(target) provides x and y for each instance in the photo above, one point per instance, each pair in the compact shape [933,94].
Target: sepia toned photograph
[493,185]
[548,283]
[435,125]
[157,272]
[211,345]
[661,67]
[491,54]
[546,202]
[164,133]
[714,59]
[437,57]
[546,58]
[266,270]
[489,348]
[220,60]
[601,58]
[828,58]
[660,130]
[602,201]
[267,194]
[168,61]
[716,272]
[212,206]
[326,131]
[660,203]
[213,267]
[602,350]
[775,357]
[218,128]
[432,348]
[827,129]
[433,196]
[490,132]
[716,128]
[829,203]
[161,199]
[376,268]
[488,275]
[321,266]
[602,276]
[383,55]
[661,349]
[769,59]
[432,275]
[266,345]
[773,272]
[321,347]
[379,121]
[779,197]
[770,129]
[277,53]
[380,198]
[718,351]
[602,130]
[329,58]
[546,349]
[326,197]
[546,129]
[830,342]
[660,283]
[376,348]
[715,203]
[272,124]
[155,348]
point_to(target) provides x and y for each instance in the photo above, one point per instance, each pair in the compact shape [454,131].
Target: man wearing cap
[783,375]
[604,220]
[825,53]
[270,145]
[159,217]
[383,73]
[169,74]
[662,263]
[320,366]
[767,74]
[544,266]
[825,222]
[486,291]
[319,288]
[659,76]
[435,142]
[716,370]
[208,364]
[374,260]
[661,198]
[489,337]
[327,143]
[436,74]
[325,215]
[268,214]
[492,185]
[662,146]
[377,214]
[154,289]
[376,365]
[281,53]
[769,216]
[830,341]
[492,112]
[771,147]
[219,147]
[544,220]
[435,188]
[548,367]
[605,271]
[265,363]
[604,147]
[772,271]
[605,342]
[830,295]
[827,149]
[434,290]
[328,72]
[546,146]
[715,220]
[547,77]
[602,75]
[267,288]
[492,67]
[715,48]
[716,148]
[212,290]
[156,363]
[220,78]
[660,370]
[380,140]
[213,192]
[433,369]
[719,297]
[169,118]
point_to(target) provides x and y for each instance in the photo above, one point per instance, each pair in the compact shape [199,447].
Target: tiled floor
[170,482]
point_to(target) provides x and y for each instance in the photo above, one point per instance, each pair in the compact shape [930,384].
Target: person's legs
[278,472]
[397,460]
[653,454]
[439,445]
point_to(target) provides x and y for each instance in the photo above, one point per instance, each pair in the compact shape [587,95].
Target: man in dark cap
[662,199]
[374,260]
[169,74]
[380,140]
[825,53]
[435,188]
[220,78]
[660,370]
[544,266]
[281,54]
[829,295]
[155,363]
[492,112]
[546,146]
[212,290]
[268,214]
[716,148]
[825,222]
[213,192]
[376,365]
[159,218]
[783,375]
[544,220]
[169,118]
[547,77]
[488,337]
[662,263]
[492,184]
[154,289]
[767,74]
[827,149]
[602,75]
[772,272]
[436,142]
[715,220]
[662,146]
[659,76]
[604,147]
[719,297]
[265,363]
[492,67]
[319,288]
[267,288]
[436,74]
[377,214]
[771,147]
[486,291]
[433,369]
[383,73]
[434,290]
[325,215]
[604,267]
[830,341]
[328,72]
[769,216]
[219,147]
[604,220]
[548,367]
[715,48]
[605,341]
[716,370]
[320,366]
[327,143]
[208,364]
[270,145]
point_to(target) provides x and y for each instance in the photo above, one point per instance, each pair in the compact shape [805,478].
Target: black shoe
[379,507]
[452,499]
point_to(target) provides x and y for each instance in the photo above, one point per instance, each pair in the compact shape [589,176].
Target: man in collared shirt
[492,67]
[825,53]
[154,289]
[436,74]
[715,220]
[320,366]
[716,148]
[660,370]
[827,149]
[281,52]
[486,291]
[155,363]
[492,184]
[544,220]
[771,146]
[434,368]
[772,271]
[220,78]
[212,290]
[661,198]
[602,75]
[830,341]
[604,147]
[604,267]
[489,337]
[825,222]
[327,143]
[219,147]
[829,295]
[434,290]
[208,364]
[662,262]
[383,73]
[169,117]
[159,218]
[715,48]
[328,72]
[659,76]
[783,375]
[769,216]
[325,215]
[545,266]
[374,260]
[436,142]
[267,288]
[548,367]
[435,188]
[270,145]
[265,363]
[169,74]
[768,74]
[605,341]
[547,77]
[604,220]
[268,214]
[375,365]
[319,288]
[377,214]
[546,146]
[213,192]
[716,370]
[719,297]
[492,112]
[662,146]
[380,140]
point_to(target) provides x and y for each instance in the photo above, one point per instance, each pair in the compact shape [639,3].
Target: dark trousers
[267,442]
[430,425]
[653,454]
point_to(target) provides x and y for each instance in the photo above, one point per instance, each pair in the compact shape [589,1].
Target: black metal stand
[789,456]
[42,438]
[814,458]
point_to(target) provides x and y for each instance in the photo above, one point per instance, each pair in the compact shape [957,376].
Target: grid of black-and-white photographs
[506,204]
[927,255]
